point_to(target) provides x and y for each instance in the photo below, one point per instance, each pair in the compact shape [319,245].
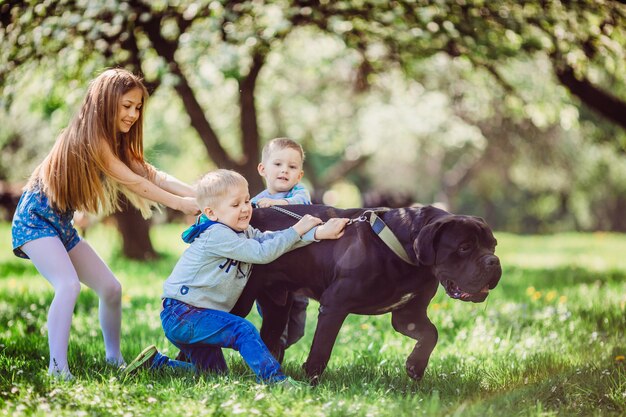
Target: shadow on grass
[546,382]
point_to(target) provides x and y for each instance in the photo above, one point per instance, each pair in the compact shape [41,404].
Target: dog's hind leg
[274,307]
[412,321]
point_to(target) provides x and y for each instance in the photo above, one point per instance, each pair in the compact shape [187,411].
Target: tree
[584,40]
[165,40]
[44,32]
[579,36]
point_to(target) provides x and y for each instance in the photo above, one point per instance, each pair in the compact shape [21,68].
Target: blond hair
[215,184]
[278,144]
[74,175]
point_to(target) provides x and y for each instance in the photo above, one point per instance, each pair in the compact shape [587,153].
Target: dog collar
[386,235]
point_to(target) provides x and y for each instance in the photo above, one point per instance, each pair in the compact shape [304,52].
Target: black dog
[360,274]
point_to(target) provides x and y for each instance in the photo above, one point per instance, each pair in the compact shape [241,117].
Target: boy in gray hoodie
[211,274]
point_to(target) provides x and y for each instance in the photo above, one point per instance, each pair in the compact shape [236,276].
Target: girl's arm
[173,185]
[163,180]
[143,187]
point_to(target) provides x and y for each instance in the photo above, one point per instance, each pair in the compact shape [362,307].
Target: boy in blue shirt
[282,160]
[211,274]
[281,165]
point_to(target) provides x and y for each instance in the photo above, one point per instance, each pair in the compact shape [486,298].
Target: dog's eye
[464,248]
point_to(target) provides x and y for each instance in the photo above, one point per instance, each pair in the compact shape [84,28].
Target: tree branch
[602,102]
[167,49]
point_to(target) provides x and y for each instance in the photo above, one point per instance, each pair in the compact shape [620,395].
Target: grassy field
[550,340]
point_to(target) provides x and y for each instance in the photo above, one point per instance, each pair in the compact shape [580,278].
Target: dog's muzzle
[492,273]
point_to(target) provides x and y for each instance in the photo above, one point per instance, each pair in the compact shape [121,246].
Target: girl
[97,157]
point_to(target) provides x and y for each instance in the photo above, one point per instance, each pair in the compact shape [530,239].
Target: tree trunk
[135,231]
[166,49]
[614,219]
[249,126]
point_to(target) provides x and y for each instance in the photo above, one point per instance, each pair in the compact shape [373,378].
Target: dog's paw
[414,372]
[314,380]
[314,377]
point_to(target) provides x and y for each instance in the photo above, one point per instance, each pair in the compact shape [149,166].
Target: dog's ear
[487,234]
[428,214]
[424,245]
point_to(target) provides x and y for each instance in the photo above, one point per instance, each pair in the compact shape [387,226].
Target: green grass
[549,341]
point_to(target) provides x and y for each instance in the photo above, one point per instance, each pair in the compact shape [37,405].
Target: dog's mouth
[454,291]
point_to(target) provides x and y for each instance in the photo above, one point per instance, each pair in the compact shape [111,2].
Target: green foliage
[548,341]
[467,103]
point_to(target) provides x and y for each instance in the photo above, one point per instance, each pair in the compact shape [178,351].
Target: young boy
[281,165]
[211,274]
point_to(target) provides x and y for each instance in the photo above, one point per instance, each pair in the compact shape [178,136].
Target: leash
[378,226]
[361,218]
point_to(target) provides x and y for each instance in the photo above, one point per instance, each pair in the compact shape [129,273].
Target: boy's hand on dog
[306,223]
[332,229]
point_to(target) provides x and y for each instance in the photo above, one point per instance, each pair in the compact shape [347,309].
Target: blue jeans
[201,333]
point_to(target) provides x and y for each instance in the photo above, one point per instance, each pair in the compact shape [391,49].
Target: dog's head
[460,250]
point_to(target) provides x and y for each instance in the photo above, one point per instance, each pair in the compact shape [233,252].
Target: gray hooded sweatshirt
[213,271]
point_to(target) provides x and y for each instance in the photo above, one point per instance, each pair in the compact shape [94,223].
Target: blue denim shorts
[34,218]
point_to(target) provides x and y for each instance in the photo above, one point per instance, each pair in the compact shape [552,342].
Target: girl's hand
[332,229]
[306,223]
[189,205]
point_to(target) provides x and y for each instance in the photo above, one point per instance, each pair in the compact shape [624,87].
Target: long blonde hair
[73,175]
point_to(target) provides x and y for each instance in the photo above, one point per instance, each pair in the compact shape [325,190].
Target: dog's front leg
[329,322]
[413,322]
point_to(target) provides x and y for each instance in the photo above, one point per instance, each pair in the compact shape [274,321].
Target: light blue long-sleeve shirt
[297,195]
[214,269]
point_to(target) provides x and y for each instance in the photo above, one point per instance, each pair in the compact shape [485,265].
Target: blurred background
[513,111]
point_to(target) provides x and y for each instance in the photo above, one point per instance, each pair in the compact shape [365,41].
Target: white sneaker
[143,360]
[292,384]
